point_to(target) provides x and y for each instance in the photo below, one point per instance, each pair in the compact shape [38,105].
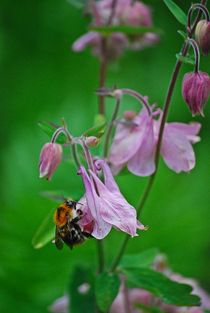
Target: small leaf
[186,59]
[106,289]
[45,233]
[77,3]
[143,259]
[60,196]
[98,128]
[183,34]
[49,129]
[126,29]
[81,291]
[169,291]
[176,11]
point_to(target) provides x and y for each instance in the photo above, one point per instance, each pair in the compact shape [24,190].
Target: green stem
[75,155]
[102,76]
[100,247]
[111,124]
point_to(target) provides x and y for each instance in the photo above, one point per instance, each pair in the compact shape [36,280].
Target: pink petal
[109,181]
[101,228]
[115,210]
[128,139]
[177,151]
[189,130]
[143,163]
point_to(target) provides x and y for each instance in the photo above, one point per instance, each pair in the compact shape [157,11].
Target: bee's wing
[58,240]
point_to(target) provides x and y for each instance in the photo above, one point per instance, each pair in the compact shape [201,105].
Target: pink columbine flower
[126,12]
[105,205]
[196,91]
[50,158]
[202,35]
[135,143]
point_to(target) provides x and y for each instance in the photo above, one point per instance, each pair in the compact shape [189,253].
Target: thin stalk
[100,247]
[197,6]
[104,61]
[102,77]
[190,29]
[75,155]
[58,131]
[138,96]
[111,124]
[194,45]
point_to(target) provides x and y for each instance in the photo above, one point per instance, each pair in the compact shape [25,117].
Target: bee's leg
[87,235]
[58,240]
[76,219]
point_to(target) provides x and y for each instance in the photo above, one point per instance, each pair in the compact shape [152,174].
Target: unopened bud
[129,115]
[92,141]
[50,158]
[196,90]
[202,36]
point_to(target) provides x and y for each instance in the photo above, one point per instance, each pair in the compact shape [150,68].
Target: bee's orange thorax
[62,214]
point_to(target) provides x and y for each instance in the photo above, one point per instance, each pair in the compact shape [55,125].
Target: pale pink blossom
[134,145]
[50,158]
[135,142]
[126,12]
[105,205]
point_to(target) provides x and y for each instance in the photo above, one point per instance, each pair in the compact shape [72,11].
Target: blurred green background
[42,79]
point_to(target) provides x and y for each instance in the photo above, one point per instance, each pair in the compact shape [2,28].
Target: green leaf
[77,3]
[106,289]
[98,128]
[126,29]
[183,34]
[61,196]
[186,59]
[169,291]
[176,11]
[45,233]
[144,259]
[82,299]
[49,129]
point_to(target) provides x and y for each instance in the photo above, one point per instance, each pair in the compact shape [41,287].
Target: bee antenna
[80,203]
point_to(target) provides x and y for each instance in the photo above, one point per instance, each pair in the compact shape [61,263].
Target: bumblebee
[68,230]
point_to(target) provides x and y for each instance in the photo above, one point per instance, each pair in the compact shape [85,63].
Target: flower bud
[202,36]
[196,90]
[50,157]
[129,115]
[92,141]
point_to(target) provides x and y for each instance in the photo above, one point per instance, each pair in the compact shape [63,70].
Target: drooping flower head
[196,91]
[121,12]
[104,205]
[50,158]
